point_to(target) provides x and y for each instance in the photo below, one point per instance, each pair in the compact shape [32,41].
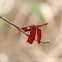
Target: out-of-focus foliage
[35,8]
[2,24]
[14,48]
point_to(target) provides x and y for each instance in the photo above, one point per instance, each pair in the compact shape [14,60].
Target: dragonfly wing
[38,35]
[42,25]
[32,35]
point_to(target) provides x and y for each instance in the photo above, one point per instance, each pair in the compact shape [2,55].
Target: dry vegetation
[14,48]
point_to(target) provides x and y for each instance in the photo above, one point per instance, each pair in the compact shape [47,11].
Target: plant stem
[14,25]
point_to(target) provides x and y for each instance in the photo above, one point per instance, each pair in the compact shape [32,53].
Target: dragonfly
[33,30]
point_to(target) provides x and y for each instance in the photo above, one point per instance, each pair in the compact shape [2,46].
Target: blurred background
[25,13]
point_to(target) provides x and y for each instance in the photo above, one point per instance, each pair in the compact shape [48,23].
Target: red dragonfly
[32,30]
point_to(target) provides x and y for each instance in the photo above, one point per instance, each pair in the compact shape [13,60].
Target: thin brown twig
[44,42]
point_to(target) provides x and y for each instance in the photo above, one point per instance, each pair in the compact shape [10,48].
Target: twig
[44,42]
